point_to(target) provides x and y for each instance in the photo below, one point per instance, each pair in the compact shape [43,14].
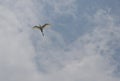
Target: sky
[82,43]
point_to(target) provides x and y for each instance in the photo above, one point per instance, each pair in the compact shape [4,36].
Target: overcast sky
[82,43]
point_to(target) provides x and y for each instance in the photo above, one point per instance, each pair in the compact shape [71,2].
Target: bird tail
[42,33]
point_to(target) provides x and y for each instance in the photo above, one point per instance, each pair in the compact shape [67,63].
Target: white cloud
[58,8]
[90,58]
[87,59]
[16,51]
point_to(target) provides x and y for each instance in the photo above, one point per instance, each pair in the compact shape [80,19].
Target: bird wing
[35,27]
[45,25]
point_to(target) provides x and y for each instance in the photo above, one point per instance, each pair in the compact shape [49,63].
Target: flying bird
[41,27]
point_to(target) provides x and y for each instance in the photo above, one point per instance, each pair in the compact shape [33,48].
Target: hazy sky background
[82,44]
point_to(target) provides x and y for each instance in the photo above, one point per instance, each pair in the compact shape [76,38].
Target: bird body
[41,27]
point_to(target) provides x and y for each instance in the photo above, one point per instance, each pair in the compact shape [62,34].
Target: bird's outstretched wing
[35,27]
[45,25]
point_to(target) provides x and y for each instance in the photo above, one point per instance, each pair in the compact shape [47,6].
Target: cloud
[16,51]
[59,8]
[90,58]
[28,57]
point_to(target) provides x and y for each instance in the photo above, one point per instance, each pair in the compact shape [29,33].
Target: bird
[41,27]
